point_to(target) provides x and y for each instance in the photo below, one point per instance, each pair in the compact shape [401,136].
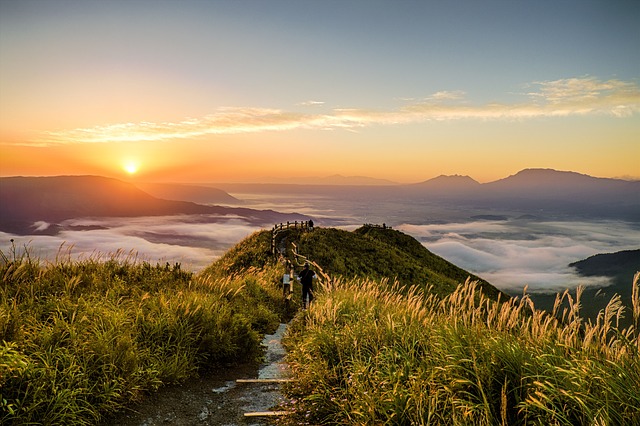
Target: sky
[257,90]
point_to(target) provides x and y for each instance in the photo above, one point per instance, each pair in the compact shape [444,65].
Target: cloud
[515,254]
[311,103]
[558,98]
[589,95]
[509,254]
[582,89]
[447,95]
[41,226]
[158,239]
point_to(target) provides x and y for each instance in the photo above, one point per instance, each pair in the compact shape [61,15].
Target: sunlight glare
[130,167]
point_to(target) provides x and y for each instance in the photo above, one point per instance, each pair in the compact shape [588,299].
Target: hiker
[287,280]
[306,279]
[286,284]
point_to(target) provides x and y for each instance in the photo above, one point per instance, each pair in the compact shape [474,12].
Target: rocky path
[217,400]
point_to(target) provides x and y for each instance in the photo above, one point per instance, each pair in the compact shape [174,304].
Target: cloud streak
[559,98]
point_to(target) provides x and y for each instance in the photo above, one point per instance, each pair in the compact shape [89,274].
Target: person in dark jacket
[306,279]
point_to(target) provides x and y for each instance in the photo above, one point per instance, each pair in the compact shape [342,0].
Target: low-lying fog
[510,251]
[511,254]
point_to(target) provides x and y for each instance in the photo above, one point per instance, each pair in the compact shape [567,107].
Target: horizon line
[318,180]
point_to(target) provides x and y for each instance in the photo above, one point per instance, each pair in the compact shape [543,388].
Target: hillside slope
[368,252]
[620,267]
[625,263]
[183,192]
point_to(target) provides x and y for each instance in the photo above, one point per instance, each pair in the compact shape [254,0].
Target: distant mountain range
[536,183]
[28,200]
[532,176]
[553,184]
[541,191]
[333,180]
[187,192]
[536,193]
[445,186]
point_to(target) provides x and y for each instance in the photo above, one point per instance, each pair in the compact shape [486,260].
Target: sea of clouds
[510,254]
[193,243]
[513,254]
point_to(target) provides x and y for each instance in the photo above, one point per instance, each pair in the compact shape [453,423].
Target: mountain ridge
[187,192]
[544,193]
[538,177]
[369,252]
[619,267]
[610,264]
[27,200]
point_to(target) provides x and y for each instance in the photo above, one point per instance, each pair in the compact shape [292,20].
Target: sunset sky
[222,91]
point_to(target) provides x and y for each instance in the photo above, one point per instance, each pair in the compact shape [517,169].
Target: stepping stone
[264,380]
[267,413]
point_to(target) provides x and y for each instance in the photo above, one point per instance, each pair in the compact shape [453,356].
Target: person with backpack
[306,279]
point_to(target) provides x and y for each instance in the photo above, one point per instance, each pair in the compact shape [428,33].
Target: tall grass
[365,355]
[81,339]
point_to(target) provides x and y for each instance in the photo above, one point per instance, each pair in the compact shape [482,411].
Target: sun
[131,167]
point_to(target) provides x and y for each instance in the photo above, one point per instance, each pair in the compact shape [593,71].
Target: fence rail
[304,225]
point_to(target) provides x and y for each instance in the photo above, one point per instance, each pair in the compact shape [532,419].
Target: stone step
[264,380]
[267,413]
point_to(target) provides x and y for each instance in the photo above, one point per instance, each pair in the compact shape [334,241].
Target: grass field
[81,339]
[365,355]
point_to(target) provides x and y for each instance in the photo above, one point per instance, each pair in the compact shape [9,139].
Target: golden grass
[366,355]
[79,339]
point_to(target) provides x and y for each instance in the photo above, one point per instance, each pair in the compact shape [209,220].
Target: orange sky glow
[199,92]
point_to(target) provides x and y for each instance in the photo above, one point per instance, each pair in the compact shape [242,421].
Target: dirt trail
[216,400]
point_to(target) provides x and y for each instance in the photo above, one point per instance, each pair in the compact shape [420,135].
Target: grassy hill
[370,252]
[622,264]
[372,354]
[620,267]
[82,339]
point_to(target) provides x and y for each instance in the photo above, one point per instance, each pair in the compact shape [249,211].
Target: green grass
[82,339]
[381,254]
[364,354]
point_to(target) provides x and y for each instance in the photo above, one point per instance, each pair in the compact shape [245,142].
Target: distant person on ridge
[306,279]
